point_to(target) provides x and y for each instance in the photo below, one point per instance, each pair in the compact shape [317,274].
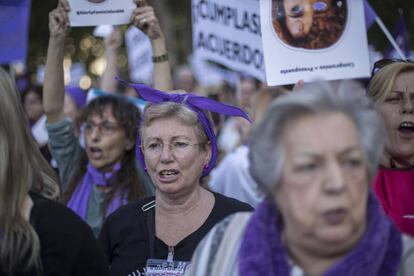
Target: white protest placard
[208,73]
[314,40]
[139,56]
[100,12]
[103,31]
[228,32]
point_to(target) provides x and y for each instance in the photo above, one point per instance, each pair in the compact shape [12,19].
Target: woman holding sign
[102,176]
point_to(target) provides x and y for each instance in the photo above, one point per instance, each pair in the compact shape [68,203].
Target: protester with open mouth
[104,175]
[178,148]
[392,90]
[315,153]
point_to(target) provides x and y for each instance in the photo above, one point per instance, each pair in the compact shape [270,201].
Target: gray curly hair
[347,97]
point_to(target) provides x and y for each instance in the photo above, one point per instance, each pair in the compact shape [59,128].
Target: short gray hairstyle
[346,97]
[174,110]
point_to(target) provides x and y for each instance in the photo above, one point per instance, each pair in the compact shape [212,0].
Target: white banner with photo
[228,32]
[314,40]
[100,12]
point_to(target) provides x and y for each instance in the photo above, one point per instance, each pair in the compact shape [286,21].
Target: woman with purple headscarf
[177,147]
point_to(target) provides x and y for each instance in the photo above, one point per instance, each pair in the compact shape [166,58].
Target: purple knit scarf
[263,253]
[196,103]
[80,197]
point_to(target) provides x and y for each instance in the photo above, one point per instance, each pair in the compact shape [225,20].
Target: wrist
[160,58]
[160,40]
[57,38]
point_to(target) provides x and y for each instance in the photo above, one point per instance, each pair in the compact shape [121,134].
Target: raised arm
[112,44]
[54,87]
[143,17]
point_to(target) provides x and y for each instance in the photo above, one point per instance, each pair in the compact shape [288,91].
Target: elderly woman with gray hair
[177,147]
[315,153]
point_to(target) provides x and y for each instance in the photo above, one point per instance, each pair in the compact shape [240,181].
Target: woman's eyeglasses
[387,61]
[105,128]
[178,148]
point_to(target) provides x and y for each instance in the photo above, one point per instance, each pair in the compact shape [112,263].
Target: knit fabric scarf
[395,189]
[263,253]
[80,197]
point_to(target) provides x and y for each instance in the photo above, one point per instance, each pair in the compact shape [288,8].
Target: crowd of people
[311,180]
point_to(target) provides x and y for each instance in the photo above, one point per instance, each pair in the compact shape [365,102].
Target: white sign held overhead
[139,56]
[228,32]
[100,12]
[314,41]
[103,31]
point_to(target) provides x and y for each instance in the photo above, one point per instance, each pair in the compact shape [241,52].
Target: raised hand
[114,40]
[143,17]
[298,86]
[59,20]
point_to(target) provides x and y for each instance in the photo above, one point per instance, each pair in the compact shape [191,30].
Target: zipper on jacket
[170,257]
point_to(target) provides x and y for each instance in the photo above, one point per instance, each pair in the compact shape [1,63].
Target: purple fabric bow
[80,197]
[196,103]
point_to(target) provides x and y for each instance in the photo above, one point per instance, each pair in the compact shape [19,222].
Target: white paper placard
[103,31]
[100,12]
[228,32]
[139,56]
[305,41]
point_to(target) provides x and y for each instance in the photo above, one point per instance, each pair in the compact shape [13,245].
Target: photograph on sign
[313,40]
[309,24]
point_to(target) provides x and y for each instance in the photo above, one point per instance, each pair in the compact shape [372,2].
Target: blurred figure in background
[184,79]
[32,99]
[231,177]
[392,90]
[234,131]
[75,100]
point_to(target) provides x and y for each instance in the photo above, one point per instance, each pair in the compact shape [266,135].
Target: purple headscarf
[77,94]
[196,103]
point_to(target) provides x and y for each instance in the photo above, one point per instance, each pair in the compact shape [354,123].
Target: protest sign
[139,56]
[100,12]
[208,73]
[14,24]
[314,41]
[228,32]
[103,31]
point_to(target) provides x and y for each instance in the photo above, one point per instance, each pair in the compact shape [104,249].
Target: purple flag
[401,38]
[14,23]
[370,14]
